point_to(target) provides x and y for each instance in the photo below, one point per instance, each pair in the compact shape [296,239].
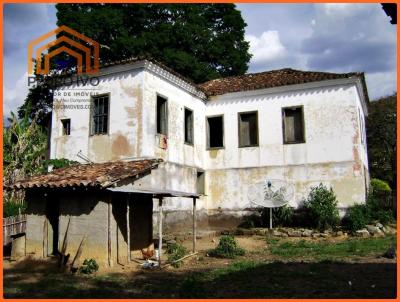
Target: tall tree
[200,41]
[381,139]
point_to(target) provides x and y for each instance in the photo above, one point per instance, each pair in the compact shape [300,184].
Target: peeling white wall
[332,154]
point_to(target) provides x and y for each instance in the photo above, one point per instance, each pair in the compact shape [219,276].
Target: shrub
[321,205]
[175,252]
[380,186]
[227,248]
[357,217]
[89,266]
[281,216]
[11,208]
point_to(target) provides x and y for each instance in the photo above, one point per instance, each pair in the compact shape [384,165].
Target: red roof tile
[269,79]
[94,175]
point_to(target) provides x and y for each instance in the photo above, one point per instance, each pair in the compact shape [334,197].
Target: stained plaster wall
[333,153]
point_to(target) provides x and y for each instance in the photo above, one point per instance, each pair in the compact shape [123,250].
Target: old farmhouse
[150,137]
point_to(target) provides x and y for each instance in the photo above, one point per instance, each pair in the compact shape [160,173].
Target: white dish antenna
[272,193]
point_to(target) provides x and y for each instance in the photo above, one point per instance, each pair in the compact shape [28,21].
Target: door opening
[53,217]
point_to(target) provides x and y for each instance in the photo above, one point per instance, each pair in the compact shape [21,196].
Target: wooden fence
[12,226]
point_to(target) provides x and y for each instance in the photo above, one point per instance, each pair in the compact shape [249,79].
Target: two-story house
[216,139]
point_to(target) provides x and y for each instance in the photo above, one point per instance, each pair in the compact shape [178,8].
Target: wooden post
[109,232]
[128,229]
[194,224]
[160,217]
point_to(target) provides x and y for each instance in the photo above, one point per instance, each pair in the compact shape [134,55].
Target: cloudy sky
[325,37]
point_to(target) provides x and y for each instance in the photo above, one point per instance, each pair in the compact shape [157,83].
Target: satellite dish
[272,193]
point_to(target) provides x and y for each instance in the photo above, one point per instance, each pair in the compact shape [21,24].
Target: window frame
[184,126]
[92,98]
[208,132]
[303,141]
[166,113]
[203,174]
[62,126]
[257,144]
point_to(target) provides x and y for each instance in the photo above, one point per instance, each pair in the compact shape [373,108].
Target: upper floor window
[248,129]
[66,126]
[188,126]
[293,125]
[215,132]
[100,114]
[162,115]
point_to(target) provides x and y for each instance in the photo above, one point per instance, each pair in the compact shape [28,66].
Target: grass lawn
[323,250]
[282,269]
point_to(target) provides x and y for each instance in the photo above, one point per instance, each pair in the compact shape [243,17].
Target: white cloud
[381,83]
[14,96]
[266,47]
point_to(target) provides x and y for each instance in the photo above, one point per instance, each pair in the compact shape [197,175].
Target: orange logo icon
[85,65]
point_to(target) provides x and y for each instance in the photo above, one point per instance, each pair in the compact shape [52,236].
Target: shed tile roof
[101,175]
[269,79]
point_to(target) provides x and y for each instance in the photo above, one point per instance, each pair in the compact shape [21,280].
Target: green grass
[324,250]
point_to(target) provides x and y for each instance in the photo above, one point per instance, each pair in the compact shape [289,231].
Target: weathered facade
[332,149]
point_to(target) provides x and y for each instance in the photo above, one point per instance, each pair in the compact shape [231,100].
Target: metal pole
[270,218]
[128,229]
[194,224]
[160,217]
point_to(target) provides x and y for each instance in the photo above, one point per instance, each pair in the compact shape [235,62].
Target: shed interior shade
[95,175]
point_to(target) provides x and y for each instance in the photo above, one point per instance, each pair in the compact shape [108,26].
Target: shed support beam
[160,217]
[194,225]
[128,229]
[109,233]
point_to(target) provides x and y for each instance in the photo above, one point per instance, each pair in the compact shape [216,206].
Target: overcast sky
[324,37]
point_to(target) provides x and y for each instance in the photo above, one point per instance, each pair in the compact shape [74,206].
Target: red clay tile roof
[100,175]
[269,79]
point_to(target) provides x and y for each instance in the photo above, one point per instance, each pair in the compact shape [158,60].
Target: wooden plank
[128,229]
[160,217]
[109,233]
[78,253]
[194,225]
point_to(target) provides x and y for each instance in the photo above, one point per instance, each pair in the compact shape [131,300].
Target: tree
[200,41]
[24,148]
[381,139]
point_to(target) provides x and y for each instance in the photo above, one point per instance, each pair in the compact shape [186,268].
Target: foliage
[380,186]
[281,216]
[381,138]
[200,41]
[24,148]
[56,163]
[89,266]
[321,205]
[324,250]
[359,215]
[227,248]
[175,252]
[12,208]
[37,104]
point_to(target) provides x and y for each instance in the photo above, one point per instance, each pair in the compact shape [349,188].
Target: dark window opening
[293,125]
[162,115]
[66,126]
[248,129]
[200,183]
[100,115]
[215,132]
[188,126]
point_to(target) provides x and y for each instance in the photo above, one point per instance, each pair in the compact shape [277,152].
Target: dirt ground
[271,277]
